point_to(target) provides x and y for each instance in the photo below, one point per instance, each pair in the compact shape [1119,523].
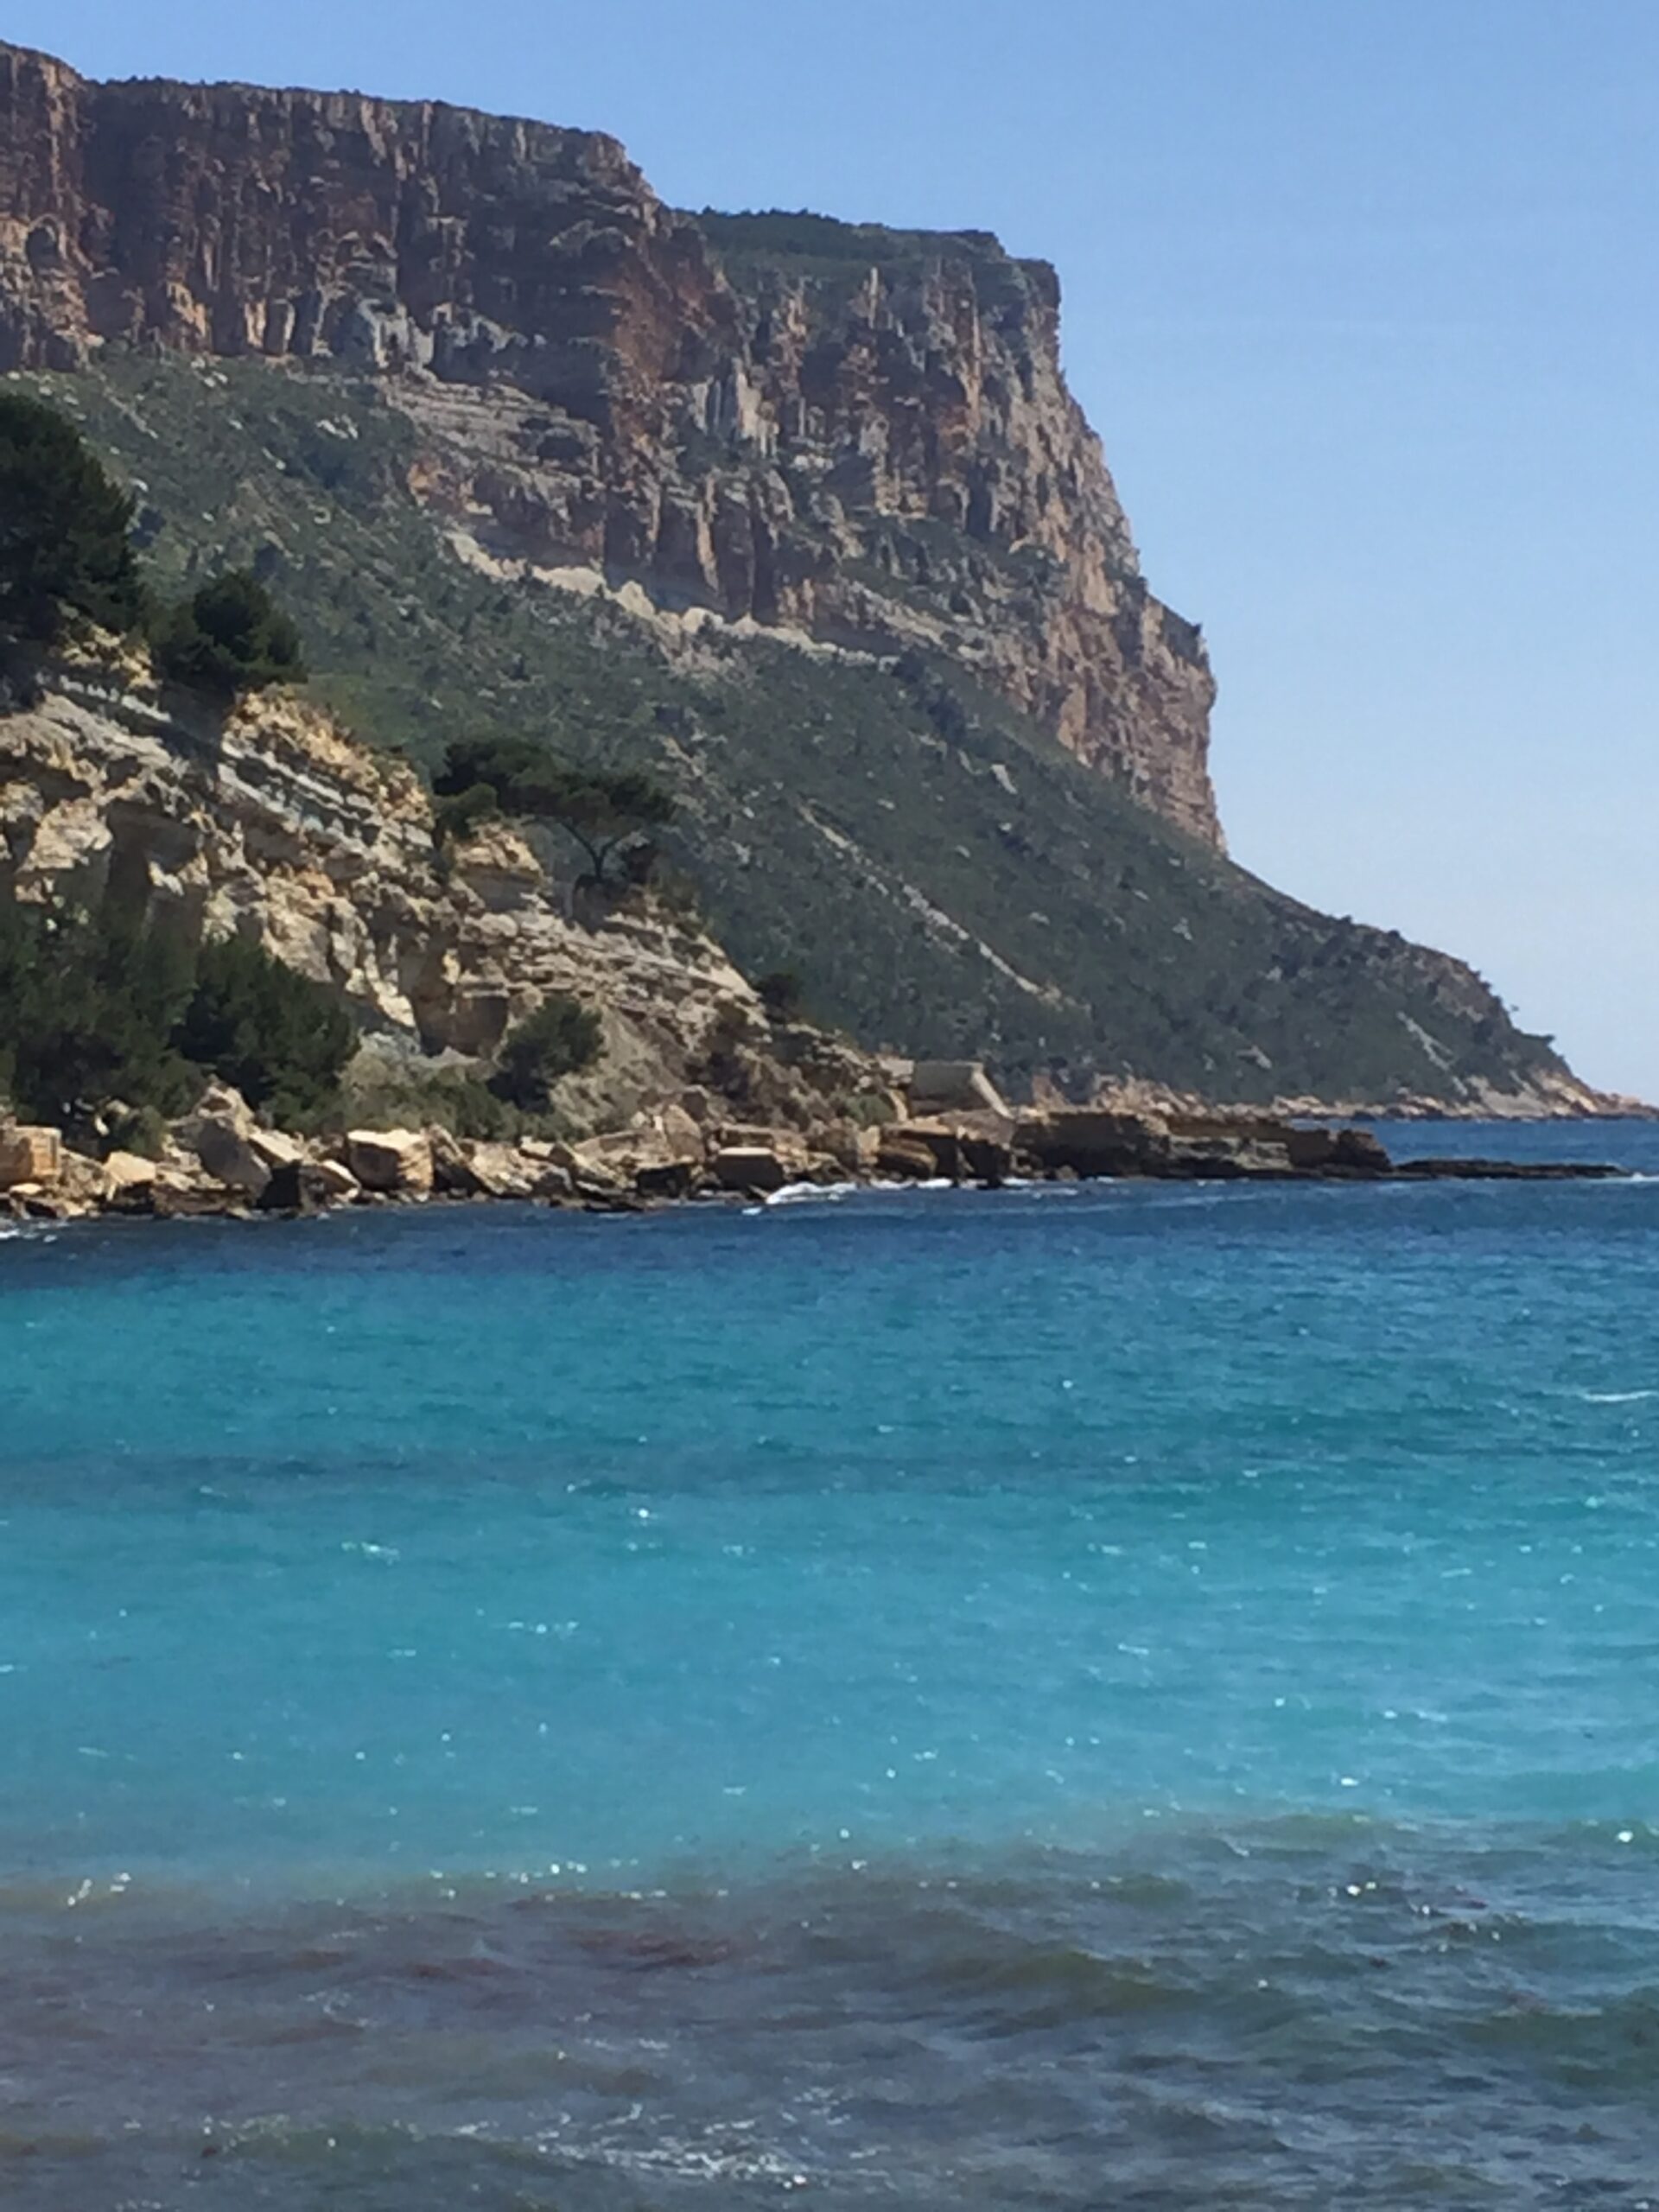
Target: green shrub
[281,1038]
[142,1130]
[386,1091]
[88,1006]
[230,637]
[493,764]
[605,812]
[782,993]
[867,1109]
[64,547]
[563,1037]
[455,815]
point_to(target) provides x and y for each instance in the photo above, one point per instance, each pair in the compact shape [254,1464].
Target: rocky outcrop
[276,824]
[1545,1090]
[667,1157]
[861,435]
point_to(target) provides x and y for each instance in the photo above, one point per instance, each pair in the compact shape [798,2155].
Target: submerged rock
[1508,1171]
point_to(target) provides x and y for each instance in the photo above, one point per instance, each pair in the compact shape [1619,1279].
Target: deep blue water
[1098,1696]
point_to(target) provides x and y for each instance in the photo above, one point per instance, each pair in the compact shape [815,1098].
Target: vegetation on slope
[229,637]
[64,546]
[608,813]
[942,877]
[825,249]
[99,1006]
[68,561]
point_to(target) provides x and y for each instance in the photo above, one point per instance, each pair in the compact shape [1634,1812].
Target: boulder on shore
[1092,1141]
[506,1171]
[336,1180]
[29,1154]
[129,1170]
[908,1154]
[954,1087]
[129,1182]
[1357,1149]
[754,1169]
[454,1171]
[223,1136]
[300,1185]
[394,1162]
[960,1150]
[668,1178]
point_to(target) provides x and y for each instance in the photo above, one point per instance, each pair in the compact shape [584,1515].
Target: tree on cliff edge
[64,548]
[230,637]
[609,812]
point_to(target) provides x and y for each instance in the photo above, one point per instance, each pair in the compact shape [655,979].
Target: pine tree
[64,548]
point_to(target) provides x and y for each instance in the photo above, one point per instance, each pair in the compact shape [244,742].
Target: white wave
[1616,1397]
[796,1194]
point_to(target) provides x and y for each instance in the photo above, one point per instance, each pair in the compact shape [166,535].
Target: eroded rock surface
[870,439]
[275,824]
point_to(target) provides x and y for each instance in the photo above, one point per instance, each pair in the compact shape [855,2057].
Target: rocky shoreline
[221,1161]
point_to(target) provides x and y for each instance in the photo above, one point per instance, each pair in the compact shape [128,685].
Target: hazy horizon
[1359,308]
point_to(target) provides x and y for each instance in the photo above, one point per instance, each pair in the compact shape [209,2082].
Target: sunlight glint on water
[946,1696]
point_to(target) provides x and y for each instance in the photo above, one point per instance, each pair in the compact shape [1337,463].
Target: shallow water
[1108,1696]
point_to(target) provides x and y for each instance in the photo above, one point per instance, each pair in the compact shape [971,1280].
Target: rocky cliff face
[858,433]
[276,825]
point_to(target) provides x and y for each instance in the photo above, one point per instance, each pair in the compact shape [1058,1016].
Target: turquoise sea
[1100,1696]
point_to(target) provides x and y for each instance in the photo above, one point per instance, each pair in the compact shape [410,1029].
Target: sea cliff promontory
[801,514]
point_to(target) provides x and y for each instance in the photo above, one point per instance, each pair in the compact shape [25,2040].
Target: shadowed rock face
[870,439]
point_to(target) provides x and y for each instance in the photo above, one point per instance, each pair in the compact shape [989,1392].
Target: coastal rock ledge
[663,1159]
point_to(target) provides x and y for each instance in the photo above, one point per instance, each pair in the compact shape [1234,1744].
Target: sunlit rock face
[861,433]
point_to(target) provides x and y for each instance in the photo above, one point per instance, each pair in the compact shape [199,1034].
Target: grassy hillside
[944,877]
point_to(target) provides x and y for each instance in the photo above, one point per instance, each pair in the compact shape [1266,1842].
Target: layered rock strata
[277,825]
[862,433]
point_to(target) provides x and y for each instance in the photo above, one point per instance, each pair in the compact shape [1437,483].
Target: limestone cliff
[860,433]
[277,825]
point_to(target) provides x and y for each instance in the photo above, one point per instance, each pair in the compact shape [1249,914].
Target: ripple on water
[1261,2015]
[1145,1698]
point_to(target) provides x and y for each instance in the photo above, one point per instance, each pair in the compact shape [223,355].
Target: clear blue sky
[1361,295]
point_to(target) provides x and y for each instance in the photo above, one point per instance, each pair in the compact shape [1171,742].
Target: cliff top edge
[811,244]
